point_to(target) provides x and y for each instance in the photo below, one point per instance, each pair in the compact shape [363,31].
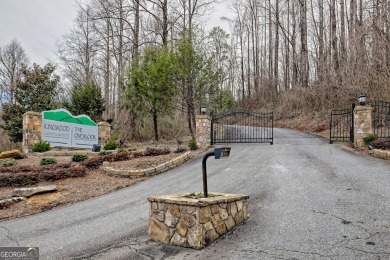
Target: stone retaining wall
[383,154]
[149,171]
[194,223]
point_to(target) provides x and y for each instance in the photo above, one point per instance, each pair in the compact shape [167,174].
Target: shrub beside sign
[61,128]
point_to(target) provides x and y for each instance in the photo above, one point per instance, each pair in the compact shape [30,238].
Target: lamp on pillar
[203,109]
[362,99]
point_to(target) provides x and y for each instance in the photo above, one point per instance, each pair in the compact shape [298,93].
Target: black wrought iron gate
[380,118]
[242,126]
[341,125]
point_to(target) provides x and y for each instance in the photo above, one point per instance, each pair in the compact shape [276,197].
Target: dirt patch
[70,191]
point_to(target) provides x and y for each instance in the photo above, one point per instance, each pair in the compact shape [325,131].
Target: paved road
[308,200]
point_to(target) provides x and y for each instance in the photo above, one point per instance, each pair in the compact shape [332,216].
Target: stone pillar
[362,124]
[104,130]
[32,130]
[203,130]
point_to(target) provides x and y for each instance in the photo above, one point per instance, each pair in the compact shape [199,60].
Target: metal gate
[381,118]
[242,126]
[341,125]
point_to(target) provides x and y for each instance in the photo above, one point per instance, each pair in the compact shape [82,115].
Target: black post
[272,133]
[352,134]
[330,128]
[204,172]
[212,128]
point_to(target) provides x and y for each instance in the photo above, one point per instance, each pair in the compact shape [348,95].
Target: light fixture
[203,109]
[362,99]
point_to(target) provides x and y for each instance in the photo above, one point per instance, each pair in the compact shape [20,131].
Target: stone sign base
[195,223]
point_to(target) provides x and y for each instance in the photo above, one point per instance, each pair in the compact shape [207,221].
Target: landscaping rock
[4,203]
[28,192]
[16,154]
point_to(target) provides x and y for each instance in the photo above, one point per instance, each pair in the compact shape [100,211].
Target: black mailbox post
[218,153]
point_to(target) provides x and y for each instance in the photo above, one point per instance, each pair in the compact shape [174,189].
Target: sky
[39,24]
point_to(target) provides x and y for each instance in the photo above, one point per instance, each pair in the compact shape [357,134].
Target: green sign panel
[61,128]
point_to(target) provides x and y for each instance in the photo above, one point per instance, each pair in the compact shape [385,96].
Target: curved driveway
[308,200]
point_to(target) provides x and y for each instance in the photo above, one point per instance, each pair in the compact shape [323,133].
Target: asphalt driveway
[308,200]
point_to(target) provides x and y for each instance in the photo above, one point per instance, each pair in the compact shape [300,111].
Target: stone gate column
[32,130]
[362,124]
[203,130]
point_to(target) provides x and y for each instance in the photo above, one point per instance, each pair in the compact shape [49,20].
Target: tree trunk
[248,61]
[107,74]
[276,63]
[242,60]
[352,19]
[270,47]
[336,63]
[190,107]
[287,46]
[136,30]
[304,51]
[165,24]
[294,47]
[342,33]
[120,57]
[155,126]
[321,47]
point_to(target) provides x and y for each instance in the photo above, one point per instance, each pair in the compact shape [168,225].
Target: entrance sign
[61,128]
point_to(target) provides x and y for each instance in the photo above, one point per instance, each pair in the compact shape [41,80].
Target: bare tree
[12,59]
[78,49]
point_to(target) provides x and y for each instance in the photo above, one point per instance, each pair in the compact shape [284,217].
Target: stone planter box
[194,223]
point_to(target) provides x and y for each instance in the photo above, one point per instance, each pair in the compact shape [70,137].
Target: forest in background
[147,65]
